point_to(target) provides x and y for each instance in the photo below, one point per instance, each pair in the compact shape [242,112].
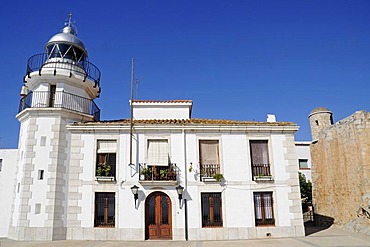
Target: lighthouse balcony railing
[60,99]
[85,68]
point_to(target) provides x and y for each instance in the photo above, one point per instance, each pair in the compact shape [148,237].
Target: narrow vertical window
[43,141]
[211,210]
[37,208]
[106,158]
[209,157]
[104,209]
[1,165]
[260,158]
[263,208]
[40,175]
[52,95]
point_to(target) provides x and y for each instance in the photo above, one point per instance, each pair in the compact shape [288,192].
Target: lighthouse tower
[59,88]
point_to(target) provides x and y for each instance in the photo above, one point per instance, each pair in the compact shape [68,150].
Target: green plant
[103,169]
[145,171]
[162,173]
[191,168]
[218,176]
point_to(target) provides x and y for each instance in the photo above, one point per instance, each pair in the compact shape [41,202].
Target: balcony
[85,68]
[261,172]
[158,175]
[60,99]
[210,172]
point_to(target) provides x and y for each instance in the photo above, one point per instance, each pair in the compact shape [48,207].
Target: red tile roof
[192,121]
[163,101]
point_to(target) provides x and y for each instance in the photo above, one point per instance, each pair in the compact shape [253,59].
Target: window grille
[104,209]
[211,209]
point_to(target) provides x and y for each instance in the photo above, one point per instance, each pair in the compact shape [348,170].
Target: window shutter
[209,152]
[107,147]
[259,152]
[158,152]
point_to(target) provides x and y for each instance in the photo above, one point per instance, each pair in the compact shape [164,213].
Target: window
[43,141]
[40,175]
[303,163]
[209,157]
[260,158]
[263,208]
[37,208]
[52,95]
[106,159]
[104,209]
[158,152]
[1,165]
[211,210]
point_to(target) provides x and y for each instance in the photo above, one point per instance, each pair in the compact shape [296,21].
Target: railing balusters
[61,100]
[87,69]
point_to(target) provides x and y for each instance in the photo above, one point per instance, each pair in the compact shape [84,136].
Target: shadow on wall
[320,223]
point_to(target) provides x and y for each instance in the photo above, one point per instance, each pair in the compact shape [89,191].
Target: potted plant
[103,169]
[218,176]
[145,173]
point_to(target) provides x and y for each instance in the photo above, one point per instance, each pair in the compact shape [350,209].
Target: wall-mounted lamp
[135,192]
[180,190]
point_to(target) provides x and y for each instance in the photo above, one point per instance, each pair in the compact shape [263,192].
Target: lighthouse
[60,86]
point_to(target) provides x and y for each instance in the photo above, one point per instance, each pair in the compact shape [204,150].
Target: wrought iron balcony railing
[85,68]
[158,173]
[209,170]
[60,99]
[261,170]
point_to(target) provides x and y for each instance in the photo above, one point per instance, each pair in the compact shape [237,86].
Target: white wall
[303,152]
[7,179]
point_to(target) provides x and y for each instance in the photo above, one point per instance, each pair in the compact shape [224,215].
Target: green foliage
[103,169]
[305,186]
[218,176]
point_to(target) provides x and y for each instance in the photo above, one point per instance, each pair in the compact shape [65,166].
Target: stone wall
[341,169]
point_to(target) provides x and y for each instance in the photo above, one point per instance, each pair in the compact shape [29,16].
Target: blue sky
[235,59]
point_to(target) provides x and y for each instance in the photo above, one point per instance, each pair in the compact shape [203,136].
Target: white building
[75,174]
[8,161]
[304,158]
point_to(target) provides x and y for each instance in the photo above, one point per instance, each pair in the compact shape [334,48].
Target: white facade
[75,173]
[8,162]
[304,158]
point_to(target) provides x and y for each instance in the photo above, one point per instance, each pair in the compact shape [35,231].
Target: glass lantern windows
[65,51]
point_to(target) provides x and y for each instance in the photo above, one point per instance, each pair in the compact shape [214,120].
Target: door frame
[158,215]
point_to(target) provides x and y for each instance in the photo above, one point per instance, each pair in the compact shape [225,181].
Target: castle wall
[341,169]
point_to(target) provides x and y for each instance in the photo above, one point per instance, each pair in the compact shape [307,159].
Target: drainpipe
[186,187]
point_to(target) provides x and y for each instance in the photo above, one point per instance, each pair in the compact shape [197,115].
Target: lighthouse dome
[66,44]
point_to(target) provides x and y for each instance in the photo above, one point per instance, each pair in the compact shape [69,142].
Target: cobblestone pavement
[332,236]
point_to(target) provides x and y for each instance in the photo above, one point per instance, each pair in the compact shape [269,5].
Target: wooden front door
[158,220]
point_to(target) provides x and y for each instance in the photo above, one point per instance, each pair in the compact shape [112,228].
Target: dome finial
[70,27]
[70,19]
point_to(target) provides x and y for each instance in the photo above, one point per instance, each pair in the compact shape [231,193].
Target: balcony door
[158,216]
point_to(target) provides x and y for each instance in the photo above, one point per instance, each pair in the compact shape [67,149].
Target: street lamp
[180,190]
[135,192]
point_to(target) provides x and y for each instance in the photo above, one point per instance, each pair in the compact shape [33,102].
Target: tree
[305,186]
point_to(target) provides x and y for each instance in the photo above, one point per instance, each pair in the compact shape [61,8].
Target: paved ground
[332,236]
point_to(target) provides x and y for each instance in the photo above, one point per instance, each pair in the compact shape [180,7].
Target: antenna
[137,89]
[131,108]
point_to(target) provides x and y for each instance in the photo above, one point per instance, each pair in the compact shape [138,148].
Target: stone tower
[59,88]
[320,118]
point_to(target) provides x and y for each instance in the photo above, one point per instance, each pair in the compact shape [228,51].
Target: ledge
[210,180]
[264,178]
[105,179]
[158,182]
